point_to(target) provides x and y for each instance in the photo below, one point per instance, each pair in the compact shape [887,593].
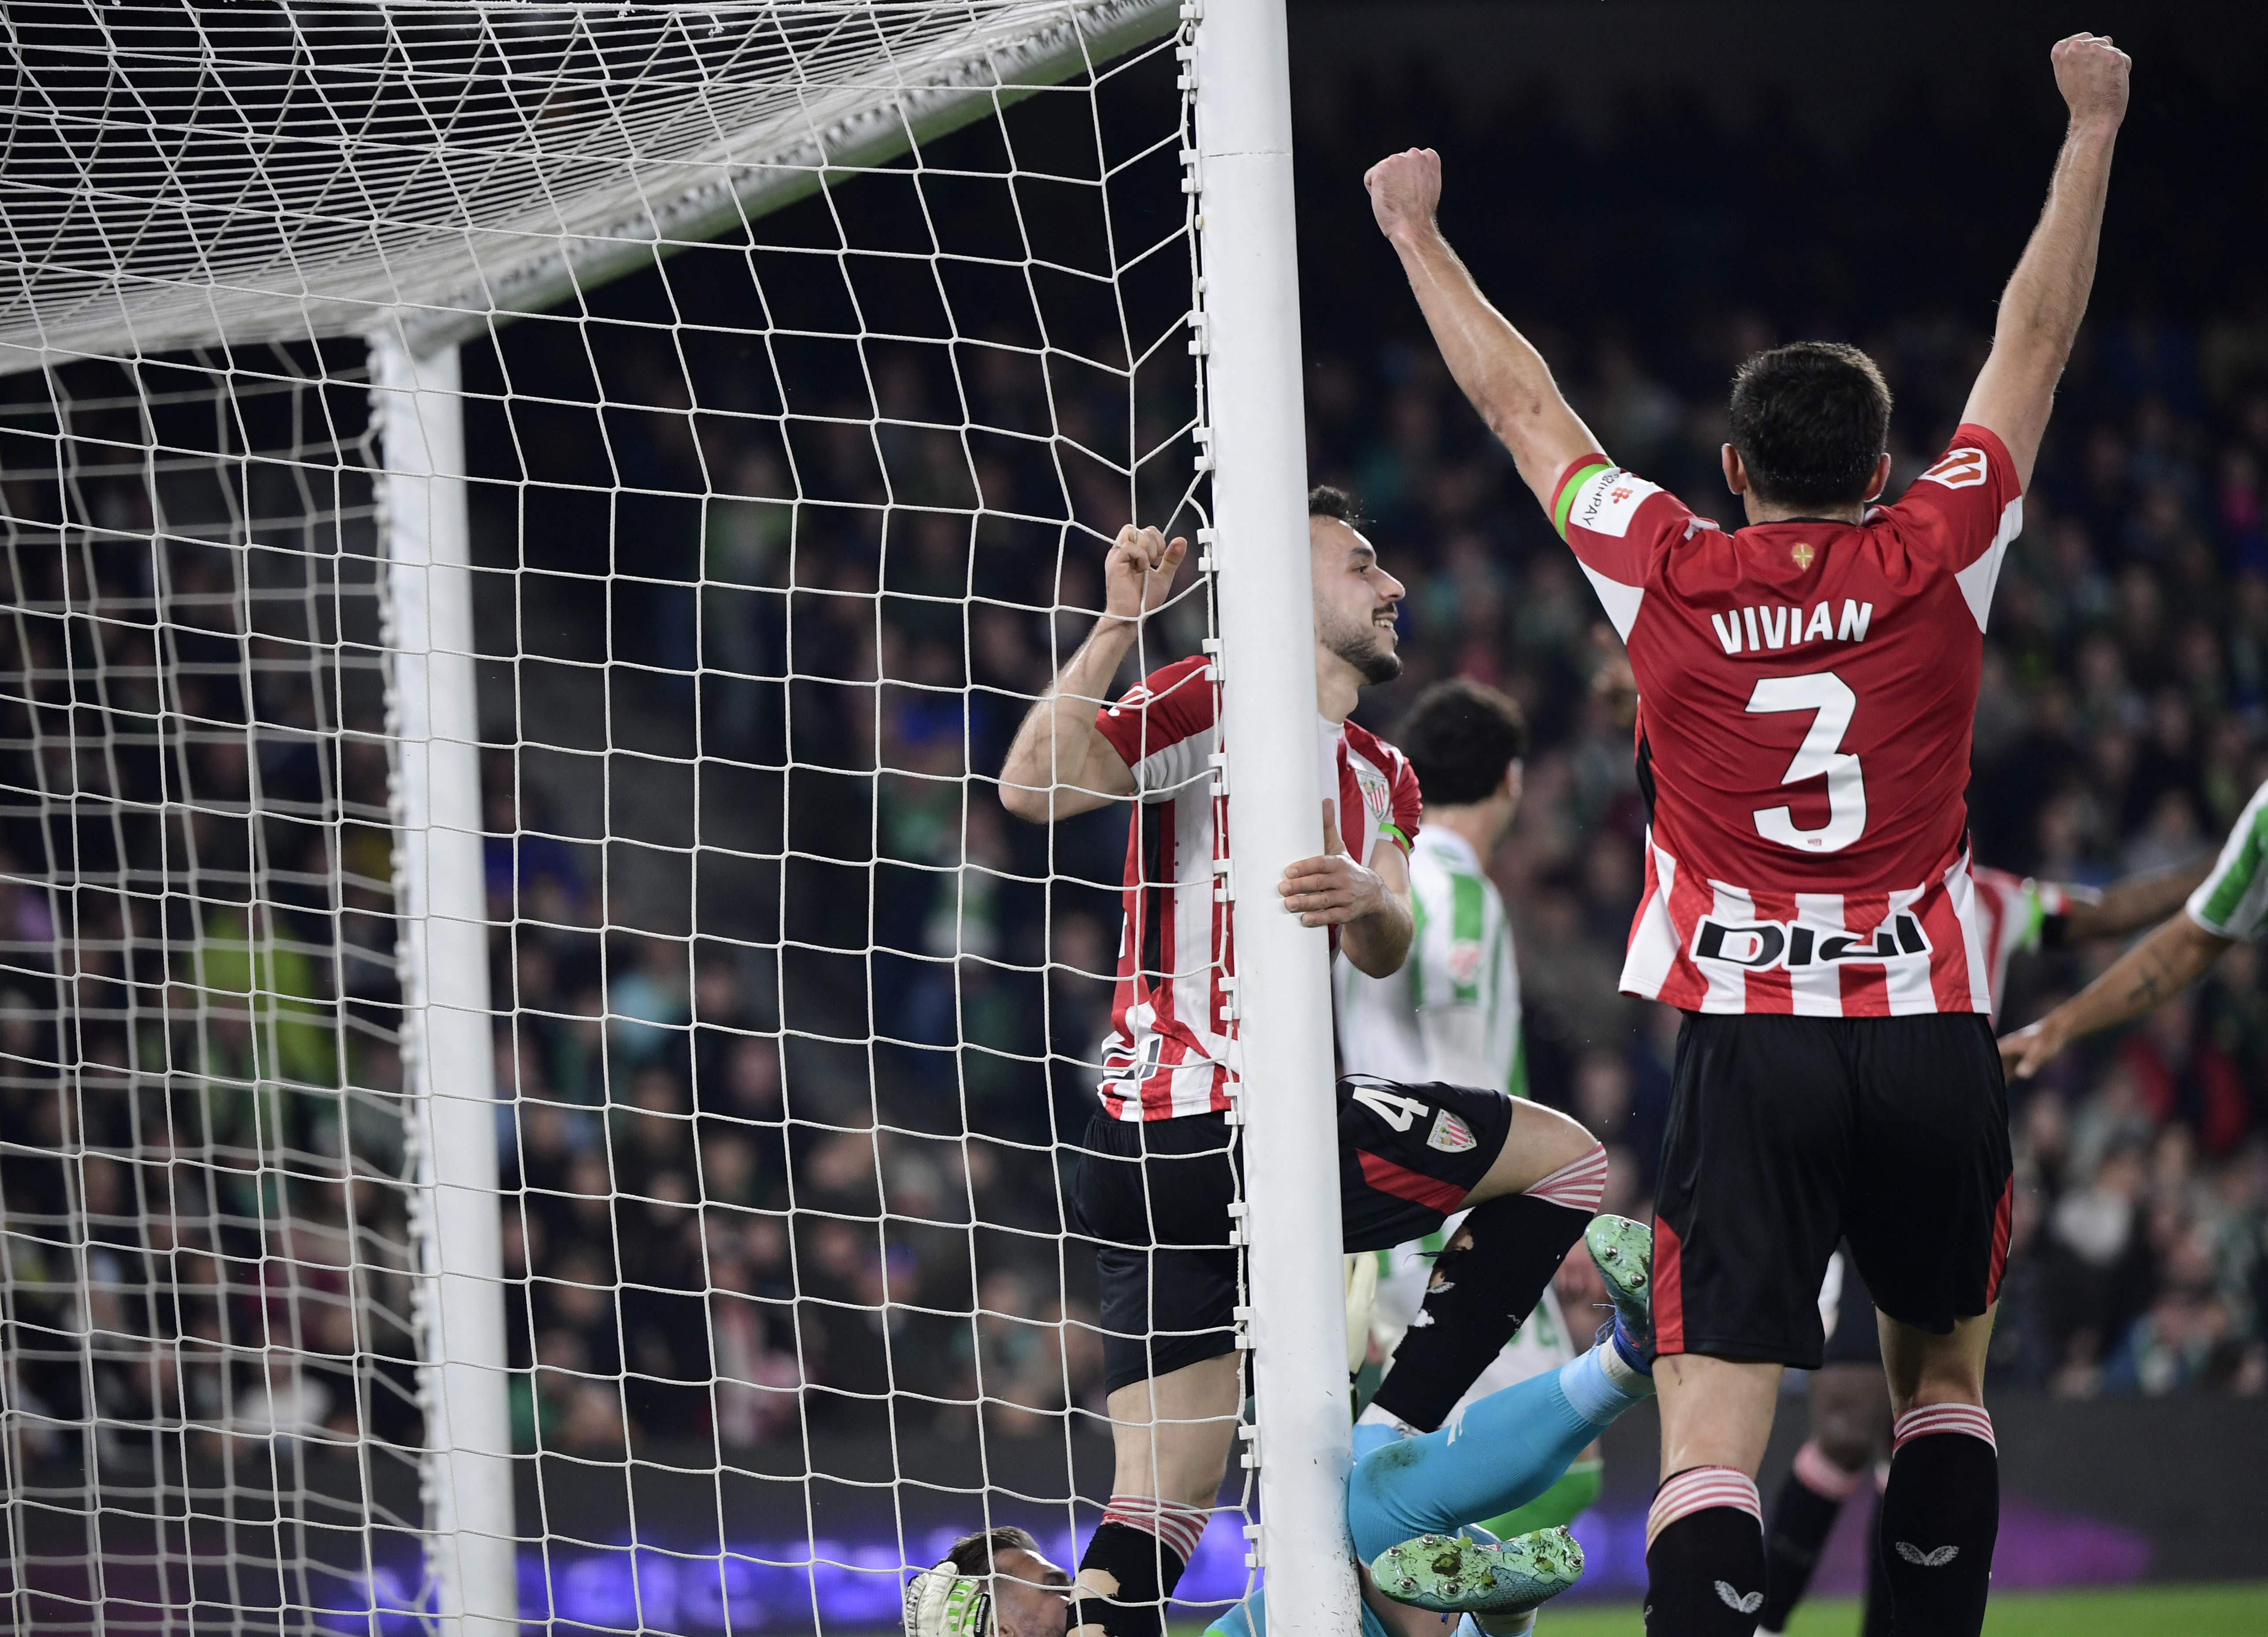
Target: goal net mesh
[844,338]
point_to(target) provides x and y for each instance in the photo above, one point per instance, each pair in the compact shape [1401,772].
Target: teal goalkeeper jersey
[1452,1013]
[2233,901]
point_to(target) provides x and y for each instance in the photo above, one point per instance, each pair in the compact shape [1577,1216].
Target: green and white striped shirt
[2233,901]
[1452,1013]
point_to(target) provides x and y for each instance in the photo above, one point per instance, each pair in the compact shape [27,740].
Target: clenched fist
[2091,73]
[1405,190]
[1137,576]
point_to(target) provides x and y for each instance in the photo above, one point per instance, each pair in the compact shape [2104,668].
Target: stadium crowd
[791,1239]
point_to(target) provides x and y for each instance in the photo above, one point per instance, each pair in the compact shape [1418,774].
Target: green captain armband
[1564,502]
[1394,830]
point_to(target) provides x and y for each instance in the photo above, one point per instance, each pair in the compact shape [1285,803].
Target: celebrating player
[1159,1175]
[2229,906]
[1452,1013]
[1808,685]
[1412,1514]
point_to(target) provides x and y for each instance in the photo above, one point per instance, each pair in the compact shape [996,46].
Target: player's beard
[1359,646]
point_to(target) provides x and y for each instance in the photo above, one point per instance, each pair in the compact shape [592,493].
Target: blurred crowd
[813,1176]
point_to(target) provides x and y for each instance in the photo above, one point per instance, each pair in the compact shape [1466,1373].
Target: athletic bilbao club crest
[1450,1134]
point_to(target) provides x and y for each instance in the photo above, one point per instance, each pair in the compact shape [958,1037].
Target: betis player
[2229,906]
[1451,1015]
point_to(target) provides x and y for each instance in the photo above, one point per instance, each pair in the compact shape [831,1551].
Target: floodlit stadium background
[1653,191]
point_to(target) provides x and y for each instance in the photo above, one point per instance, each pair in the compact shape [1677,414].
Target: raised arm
[2046,295]
[1059,764]
[1505,377]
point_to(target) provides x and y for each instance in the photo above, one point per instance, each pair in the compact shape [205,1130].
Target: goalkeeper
[1413,1502]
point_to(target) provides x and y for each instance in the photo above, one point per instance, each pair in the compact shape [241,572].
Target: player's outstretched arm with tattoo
[2046,296]
[2155,969]
[1503,376]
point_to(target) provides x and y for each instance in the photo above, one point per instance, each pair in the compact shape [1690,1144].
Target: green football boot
[1624,1250]
[1451,1574]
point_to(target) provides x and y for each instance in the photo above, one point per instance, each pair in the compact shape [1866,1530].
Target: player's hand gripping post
[1333,889]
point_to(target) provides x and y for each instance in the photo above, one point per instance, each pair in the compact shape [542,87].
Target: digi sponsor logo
[1607,503]
[1757,946]
[1962,468]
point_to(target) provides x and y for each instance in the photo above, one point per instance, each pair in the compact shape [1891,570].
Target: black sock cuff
[1146,1570]
[1487,1292]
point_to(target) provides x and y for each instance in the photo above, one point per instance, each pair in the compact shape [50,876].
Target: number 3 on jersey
[1830,697]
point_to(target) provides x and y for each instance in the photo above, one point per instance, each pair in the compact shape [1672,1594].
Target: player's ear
[1881,478]
[1736,476]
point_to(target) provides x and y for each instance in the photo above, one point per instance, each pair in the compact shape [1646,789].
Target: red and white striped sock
[1941,1517]
[1704,1555]
[1179,1527]
[1820,1476]
[1579,1184]
[1697,1489]
[1943,1418]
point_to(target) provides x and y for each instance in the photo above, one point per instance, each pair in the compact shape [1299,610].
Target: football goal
[538,1081]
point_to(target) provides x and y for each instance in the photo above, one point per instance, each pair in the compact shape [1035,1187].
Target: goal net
[538,1083]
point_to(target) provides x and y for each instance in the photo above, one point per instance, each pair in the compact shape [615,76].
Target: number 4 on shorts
[1396,1110]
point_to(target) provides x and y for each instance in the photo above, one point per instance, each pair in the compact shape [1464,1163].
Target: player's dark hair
[1458,736]
[974,1554]
[1810,420]
[1325,501]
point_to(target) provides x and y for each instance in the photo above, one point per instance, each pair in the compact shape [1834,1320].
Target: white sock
[1502,1624]
[1600,1386]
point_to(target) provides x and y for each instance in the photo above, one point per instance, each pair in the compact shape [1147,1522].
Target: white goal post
[379,796]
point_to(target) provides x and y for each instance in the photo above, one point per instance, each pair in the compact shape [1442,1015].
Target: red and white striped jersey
[2010,910]
[1168,1054]
[1806,693]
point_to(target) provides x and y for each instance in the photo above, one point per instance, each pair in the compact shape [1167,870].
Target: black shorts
[1154,1195]
[1789,1133]
[1856,1339]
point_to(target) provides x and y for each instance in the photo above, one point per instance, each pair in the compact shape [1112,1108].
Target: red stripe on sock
[1668,1292]
[1700,1489]
[2000,1238]
[1820,1476]
[1177,1527]
[1404,1184]
[1579,1186]
[1968,1421]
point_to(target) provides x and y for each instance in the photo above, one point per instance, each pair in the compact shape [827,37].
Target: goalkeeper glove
[942,1602]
